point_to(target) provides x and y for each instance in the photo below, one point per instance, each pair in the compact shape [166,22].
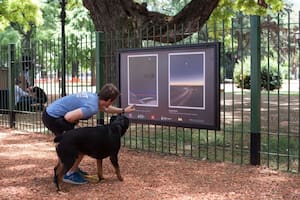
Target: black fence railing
[279,93]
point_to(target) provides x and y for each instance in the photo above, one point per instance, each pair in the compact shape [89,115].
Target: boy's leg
[73,176]
[74,168]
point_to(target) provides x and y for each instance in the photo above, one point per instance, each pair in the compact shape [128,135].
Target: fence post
[63,49]
[298,40]
[99,69]
[255,90]
[11,84]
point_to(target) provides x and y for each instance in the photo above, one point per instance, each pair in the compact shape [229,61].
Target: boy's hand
[129,108]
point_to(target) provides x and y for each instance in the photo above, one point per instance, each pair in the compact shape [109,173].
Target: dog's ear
[120,124]
[112,118]
[116,129]
[125,124]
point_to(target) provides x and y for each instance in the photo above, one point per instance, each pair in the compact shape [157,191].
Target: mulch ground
[27,161]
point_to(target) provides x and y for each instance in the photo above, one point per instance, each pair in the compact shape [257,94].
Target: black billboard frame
[194,51]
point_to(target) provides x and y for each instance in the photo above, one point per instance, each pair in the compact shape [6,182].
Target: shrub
[243,81]
[269,80]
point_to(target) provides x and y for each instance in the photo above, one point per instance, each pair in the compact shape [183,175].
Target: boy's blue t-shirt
[86,101]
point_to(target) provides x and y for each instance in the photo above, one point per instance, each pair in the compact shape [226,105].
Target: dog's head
[119,124]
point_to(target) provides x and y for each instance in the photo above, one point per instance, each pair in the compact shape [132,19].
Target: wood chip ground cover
[27,161]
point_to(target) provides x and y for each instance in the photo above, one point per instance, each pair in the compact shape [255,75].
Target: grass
[231,144]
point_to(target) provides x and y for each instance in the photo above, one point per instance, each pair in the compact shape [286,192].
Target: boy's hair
[108,91]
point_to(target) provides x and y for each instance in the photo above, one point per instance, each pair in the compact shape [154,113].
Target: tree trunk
[131,23]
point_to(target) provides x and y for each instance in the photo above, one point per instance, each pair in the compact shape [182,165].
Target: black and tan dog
[96,142]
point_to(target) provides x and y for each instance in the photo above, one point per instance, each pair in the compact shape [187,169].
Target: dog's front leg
[100,170]
[114,161]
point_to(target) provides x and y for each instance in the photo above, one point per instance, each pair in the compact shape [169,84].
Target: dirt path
[27,162]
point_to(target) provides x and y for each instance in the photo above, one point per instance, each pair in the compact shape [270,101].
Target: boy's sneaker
[81,172]
[74,178]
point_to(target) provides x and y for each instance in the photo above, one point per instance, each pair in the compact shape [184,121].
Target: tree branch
[116,15]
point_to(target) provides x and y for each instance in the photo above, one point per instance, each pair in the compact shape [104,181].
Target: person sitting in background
[23,98]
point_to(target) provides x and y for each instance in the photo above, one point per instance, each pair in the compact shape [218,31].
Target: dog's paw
[120,178]
[62,193]
[101,179]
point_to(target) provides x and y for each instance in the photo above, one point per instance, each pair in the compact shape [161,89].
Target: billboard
[175,85]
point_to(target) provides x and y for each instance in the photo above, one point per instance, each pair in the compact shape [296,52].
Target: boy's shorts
[57,125]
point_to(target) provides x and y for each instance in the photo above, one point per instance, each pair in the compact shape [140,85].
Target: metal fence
[259,117]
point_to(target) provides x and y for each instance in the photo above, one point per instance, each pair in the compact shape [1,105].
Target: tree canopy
[116,15]
[22,14]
